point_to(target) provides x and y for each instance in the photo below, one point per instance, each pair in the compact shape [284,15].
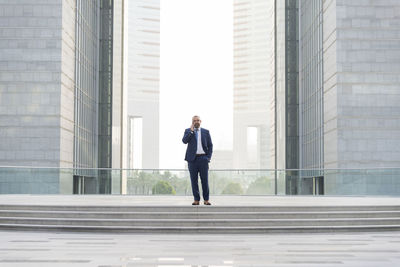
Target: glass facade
[93,96]
[105,94]
[287,90]
[280,75]
[292,84]
[311,86]
[86,90]
[351,182]
[299,89]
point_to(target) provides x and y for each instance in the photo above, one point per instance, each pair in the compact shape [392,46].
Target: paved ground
[78,249]
[301,250]
[125,200]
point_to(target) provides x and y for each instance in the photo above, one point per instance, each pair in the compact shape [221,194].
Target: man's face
[196,122]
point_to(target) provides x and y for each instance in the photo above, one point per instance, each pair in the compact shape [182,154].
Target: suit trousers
[199,166]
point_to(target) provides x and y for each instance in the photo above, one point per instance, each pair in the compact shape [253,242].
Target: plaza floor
[82,249]
[167,200]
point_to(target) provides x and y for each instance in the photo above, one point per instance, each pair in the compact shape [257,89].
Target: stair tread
[214,207]
[200,220]
[177,206]
[216,219]
[200,227]
[183,212]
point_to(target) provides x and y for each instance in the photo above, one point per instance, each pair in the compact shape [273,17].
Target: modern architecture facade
[287,90]
[143,83]
[253,145]
[61,94]
[361,88]
[337,88]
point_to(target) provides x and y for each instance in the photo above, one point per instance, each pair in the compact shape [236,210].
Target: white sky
[196,74]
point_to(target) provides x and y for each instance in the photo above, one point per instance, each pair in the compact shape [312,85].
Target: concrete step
[199,222]
[190,208]
[201,219]
[198,215]
[206,230]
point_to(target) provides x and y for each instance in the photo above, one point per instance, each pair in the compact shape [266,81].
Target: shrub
[163,188]
[233,189]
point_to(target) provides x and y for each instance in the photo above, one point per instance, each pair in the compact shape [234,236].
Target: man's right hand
[192,127]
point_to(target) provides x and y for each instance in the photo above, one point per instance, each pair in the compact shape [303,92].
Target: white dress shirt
[199,146]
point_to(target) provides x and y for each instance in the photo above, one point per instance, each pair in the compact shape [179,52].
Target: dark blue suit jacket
[190,139]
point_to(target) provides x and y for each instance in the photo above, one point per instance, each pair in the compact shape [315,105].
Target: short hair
[195,116]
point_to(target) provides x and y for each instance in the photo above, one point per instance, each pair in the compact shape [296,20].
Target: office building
[337,86]
[253,117]
[61,95]
[143,83]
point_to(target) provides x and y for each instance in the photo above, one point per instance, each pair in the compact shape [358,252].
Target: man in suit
[198,155]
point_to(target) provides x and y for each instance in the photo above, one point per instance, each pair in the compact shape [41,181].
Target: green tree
[233,189]
[181,185]
[140,183]
[218,182]
[166,175]
[163,188]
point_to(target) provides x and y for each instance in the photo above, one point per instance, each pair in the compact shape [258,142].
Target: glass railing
[38,180]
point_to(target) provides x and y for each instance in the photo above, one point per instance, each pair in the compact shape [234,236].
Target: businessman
[198,155]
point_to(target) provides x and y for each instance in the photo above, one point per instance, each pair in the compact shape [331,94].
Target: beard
[197,125]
